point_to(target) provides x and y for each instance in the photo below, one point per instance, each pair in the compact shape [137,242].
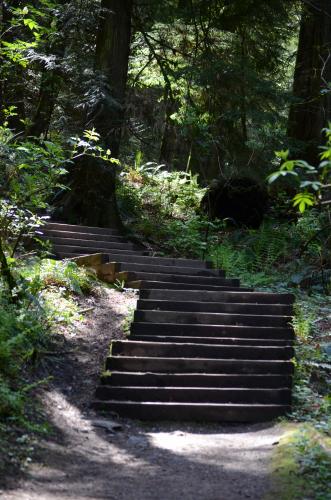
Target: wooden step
[60,226]
[205,412]
[211,340]
[186,350]
[235,296]
[201,318]
[160,261]
[216,307]
[95,245]
[124,378]
[265,332]
[179,285]
[54,235]
[194,394]
[198,365]
[174,278]
[76,249]
[166,270]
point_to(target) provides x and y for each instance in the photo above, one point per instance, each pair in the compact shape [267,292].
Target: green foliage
[29,172]
[302,466]
[21,333]
[47,273]
[202,70]
[162,206]
[49,300]
[193,237]
[312,181]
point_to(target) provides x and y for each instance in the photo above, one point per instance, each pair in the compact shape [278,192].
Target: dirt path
[139,461]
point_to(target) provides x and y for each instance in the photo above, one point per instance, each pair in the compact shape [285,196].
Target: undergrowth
[49,300]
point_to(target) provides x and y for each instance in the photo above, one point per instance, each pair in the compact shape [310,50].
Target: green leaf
[283,155]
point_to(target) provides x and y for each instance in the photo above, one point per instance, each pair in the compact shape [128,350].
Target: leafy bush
[150,186]
[25,328]
[292,254]
[311,181]
[21,334]
[163,207]
[47,273]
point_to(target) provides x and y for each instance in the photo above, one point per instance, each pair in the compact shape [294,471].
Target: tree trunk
[312,109]
[111,62]
[169,133]
[92,199]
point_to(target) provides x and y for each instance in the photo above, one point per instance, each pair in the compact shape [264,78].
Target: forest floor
[79,460]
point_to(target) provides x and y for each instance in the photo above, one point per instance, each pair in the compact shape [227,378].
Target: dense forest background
[200,128]
[213,88]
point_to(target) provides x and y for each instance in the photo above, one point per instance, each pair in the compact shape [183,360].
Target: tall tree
[92,199]
[111,64]
[311,110]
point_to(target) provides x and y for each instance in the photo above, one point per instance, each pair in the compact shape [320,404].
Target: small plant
[312,181]
[128,321]
[119,285]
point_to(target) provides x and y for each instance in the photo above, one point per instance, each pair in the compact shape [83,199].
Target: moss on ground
[301,467]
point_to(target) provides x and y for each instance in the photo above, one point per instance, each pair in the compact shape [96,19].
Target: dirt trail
[141,461]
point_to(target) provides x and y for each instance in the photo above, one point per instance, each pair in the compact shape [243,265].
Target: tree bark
[92,199]
[311,110]
[169,133]
[111,61]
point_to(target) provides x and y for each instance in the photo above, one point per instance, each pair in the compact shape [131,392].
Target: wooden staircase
[201,347]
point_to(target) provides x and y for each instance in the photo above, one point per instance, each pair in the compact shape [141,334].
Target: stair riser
[192,365]
[86,250]
[74,228]
[165,350]
[215,307]
[212,340]
[237,296]
[170,329]
[141,284]
[245,396]
[197,413]
[173,278]
[107,245]
[210,319]
[179,271]
[64,236]
[161,261]
[197,380]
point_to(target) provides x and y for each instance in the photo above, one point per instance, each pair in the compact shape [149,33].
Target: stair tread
[146,343]
[169,270]
[213,360]
[141,283]
[136,275]
[172,261]
[215,307]
[252,297]
[171,403]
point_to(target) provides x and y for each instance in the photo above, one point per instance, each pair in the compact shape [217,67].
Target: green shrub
[48,295]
